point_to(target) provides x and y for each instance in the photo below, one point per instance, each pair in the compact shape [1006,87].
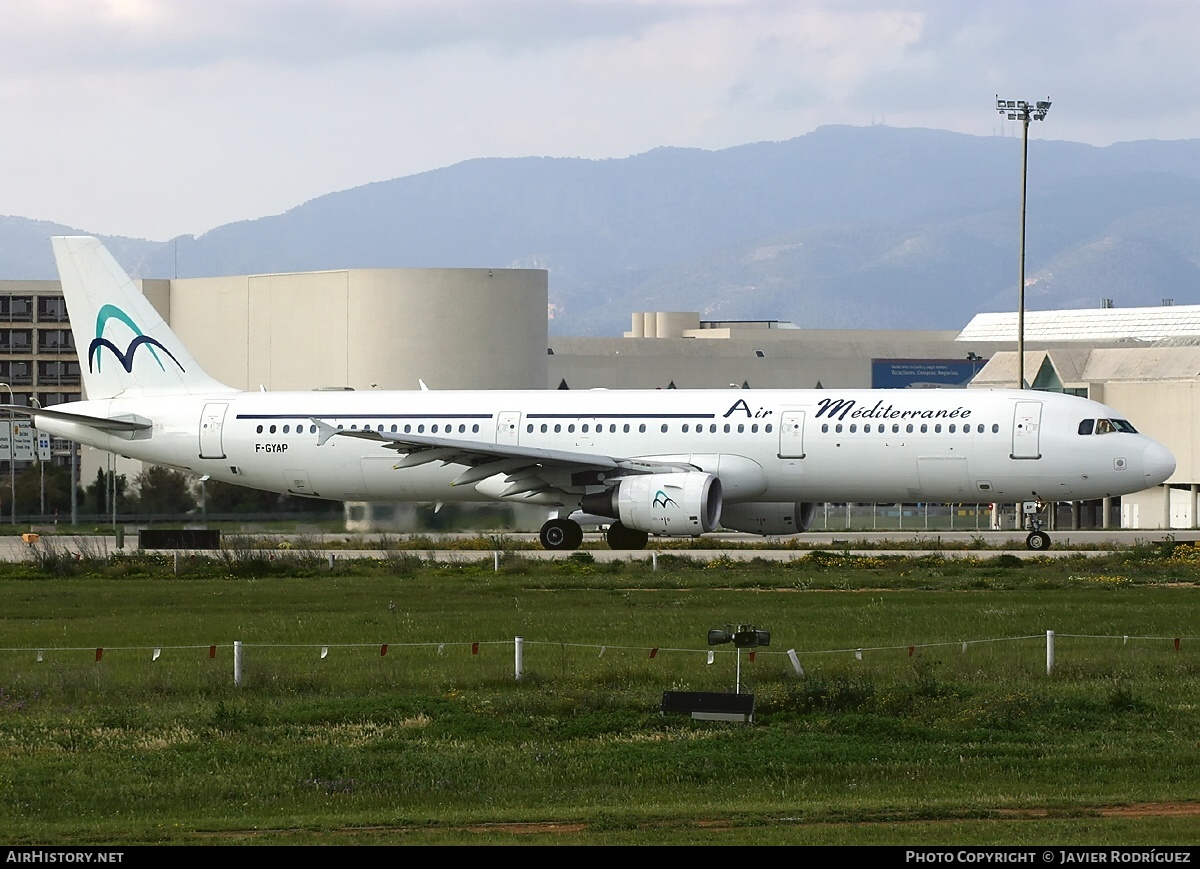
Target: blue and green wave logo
[662,500]
[109,312]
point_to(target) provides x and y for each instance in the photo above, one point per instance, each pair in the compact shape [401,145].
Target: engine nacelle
[768,518]
[676,505]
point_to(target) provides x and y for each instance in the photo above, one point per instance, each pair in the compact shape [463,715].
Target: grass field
[896,733]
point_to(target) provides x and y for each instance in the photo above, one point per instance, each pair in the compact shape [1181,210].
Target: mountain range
[845,227]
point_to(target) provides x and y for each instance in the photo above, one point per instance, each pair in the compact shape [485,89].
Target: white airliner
[662,462]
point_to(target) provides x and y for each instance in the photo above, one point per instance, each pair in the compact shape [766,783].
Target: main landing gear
[566,534]
[1038,539]
[561,534]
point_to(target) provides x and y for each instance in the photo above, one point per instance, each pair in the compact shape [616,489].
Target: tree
[29,482]
[96,495]
[228,498]
[163,490]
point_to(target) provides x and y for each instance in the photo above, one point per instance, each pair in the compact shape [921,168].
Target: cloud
[155,117]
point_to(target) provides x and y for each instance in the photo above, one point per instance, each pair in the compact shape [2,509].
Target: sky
[158,118]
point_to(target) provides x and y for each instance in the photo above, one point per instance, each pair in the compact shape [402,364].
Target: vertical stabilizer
[125,348]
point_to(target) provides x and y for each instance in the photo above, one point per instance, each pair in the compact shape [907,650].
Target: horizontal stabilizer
[127,422]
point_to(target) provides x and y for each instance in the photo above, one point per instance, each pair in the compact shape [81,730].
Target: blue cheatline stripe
[585,415]
[305,415]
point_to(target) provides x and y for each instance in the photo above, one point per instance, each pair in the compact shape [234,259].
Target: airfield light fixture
[1023,111]
[742,637]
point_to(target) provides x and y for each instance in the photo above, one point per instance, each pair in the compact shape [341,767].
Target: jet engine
[677,505]
[768,518]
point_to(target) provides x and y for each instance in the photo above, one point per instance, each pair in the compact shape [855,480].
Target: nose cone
[1158,464]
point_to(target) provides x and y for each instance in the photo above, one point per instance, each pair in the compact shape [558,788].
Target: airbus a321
[661,462]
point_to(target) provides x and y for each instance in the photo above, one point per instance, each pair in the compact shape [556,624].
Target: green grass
[431,743]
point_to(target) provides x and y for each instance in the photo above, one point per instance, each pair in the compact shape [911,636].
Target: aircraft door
[508,427]
[1026,436]
[791,435]
[212,420]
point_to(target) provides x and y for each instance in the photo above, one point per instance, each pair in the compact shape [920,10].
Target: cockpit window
[1106,426]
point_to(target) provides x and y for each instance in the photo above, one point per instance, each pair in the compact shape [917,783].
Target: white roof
[1088,324]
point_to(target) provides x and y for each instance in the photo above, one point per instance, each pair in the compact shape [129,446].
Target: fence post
[1049,652]
[237,663]
[177,562]
[496,562]
[519,655]
[654,560]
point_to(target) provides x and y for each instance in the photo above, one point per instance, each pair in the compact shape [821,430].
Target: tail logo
[109,312]
[661,500]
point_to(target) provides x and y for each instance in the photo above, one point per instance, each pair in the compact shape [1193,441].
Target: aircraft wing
[523,466]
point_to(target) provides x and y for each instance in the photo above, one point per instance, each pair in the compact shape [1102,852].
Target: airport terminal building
[487,329]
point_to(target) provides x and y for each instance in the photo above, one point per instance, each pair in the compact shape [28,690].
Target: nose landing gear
[1038,539]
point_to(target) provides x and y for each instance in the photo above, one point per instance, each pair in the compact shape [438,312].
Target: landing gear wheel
[620,537]
[1037,541]
[561,534]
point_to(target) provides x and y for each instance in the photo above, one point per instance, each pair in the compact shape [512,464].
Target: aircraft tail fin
[125,348]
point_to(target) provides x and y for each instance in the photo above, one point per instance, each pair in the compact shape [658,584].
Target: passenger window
[727,428]
[712,429]
[286,429]
[664,428]
[895,428]
[571,427]
[741,428]
[529,428]
[754,429]
[768,428]
[584,428]
[685,428]
[273,428]
[393,428]
[612,429]
[853,428]
[545,428]
[557,427]
[924,428]
[407,428]
[909,428]
[642,428]
[259,430]
[421,428]
[475,428]
[867,428]
[951,428]
[995,428]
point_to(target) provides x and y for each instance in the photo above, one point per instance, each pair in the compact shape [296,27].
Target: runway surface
[949,544]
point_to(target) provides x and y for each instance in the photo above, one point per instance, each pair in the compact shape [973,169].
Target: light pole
[1020,110]
[12,434]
